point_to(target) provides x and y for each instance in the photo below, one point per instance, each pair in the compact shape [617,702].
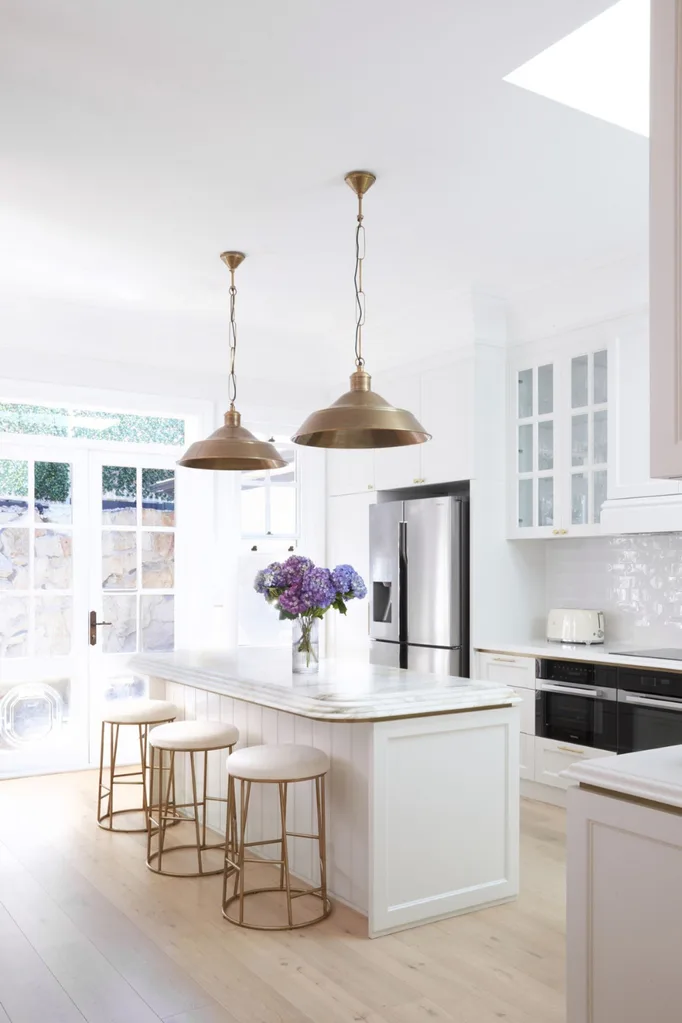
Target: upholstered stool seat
[201,736]
[191,738]
[141,713]
[280,765]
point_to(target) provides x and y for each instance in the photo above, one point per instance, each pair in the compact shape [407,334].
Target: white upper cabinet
[350,472]
[447,412]
[348,543]
[558,441]
[399,467]
[665,243]
[629,454]
[443,400]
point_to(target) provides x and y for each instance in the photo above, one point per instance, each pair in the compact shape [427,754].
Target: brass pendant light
[232,446]
[360,418]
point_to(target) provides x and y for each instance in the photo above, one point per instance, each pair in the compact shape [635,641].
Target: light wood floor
[88,933]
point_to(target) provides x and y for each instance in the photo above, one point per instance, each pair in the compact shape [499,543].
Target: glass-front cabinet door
[558,426]
[534,433]
[588,438]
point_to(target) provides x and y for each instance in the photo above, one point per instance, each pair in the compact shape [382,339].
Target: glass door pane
[43,590]
[133,593]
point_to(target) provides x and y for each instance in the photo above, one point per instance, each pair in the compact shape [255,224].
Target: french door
[87,577]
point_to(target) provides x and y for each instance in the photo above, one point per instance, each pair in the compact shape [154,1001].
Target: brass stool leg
[197,826]
[150,817]
[322,834]
[100,815]
[284,868]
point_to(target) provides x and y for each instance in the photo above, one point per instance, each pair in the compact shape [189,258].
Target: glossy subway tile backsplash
[635,580]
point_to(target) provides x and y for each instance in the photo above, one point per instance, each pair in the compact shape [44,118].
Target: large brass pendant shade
[232,446]
[360,418]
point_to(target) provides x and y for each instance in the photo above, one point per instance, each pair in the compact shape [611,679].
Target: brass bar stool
[142,714]
[281,766]
[189,737]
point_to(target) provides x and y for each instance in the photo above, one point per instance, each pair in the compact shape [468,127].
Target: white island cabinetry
[407,841]
[624,896]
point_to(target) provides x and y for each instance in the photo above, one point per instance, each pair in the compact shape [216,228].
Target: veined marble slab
[341,691]
[652,774]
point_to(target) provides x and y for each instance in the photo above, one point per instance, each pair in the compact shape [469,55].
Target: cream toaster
[573,625]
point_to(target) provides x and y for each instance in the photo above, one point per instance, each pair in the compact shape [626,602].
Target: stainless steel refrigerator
[419,584]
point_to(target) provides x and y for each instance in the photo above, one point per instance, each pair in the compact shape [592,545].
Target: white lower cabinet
[527,710]
[553,757]
[508,669]
[624,903]
[527,757]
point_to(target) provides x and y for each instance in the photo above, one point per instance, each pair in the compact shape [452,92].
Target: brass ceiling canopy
[360,418]
[232,446]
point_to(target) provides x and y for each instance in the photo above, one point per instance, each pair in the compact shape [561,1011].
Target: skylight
[601,69]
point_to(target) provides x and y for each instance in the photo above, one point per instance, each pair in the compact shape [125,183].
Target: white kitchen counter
[654,775]
[423,790]
[340,691]
[598,653]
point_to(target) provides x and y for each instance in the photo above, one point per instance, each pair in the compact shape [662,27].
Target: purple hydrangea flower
[292,571]
[348,582]
[292,601]
[318,590]
[266,579]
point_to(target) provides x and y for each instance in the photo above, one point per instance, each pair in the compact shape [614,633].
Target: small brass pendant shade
[360,418]
[232,446]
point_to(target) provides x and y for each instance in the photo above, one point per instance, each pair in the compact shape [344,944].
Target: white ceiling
[139,139]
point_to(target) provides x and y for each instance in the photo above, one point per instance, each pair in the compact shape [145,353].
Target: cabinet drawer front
[552,757]
[509,669]
[527,757]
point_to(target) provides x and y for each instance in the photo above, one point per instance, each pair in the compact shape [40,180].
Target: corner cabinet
[558,442]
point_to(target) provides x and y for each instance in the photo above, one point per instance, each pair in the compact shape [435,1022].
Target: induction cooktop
[673,653]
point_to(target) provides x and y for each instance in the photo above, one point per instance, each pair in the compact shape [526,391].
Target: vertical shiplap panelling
[270,815]
[348,746]
[254,732]
[302,793]
[226,714]
[216,816]
[362,781]
[340,821]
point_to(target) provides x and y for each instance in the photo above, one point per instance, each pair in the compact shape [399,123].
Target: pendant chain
[359,293]
[232,384]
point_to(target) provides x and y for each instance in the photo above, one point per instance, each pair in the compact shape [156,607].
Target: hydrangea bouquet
[303,593]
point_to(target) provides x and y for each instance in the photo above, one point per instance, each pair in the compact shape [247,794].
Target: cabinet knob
[370,486]
[555,532]
[416,480]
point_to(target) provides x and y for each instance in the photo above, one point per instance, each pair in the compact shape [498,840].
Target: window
[269,497]
[89,424]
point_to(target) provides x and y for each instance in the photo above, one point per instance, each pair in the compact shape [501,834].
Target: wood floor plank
[166,938]
[95,987]
[30,993]
[152,974]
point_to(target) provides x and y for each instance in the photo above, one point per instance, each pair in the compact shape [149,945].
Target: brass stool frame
[166,812]
[106,819]
[236,858]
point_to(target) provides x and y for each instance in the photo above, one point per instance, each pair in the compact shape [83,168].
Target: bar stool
[281,766]
[141,713]
[190,737]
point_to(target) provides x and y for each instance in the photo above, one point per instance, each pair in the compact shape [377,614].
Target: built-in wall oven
[578,703]
[649,709]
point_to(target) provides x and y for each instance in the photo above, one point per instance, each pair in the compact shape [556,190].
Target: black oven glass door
[586,715]
[648,722]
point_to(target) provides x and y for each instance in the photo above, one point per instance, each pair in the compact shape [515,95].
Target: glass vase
[305,646]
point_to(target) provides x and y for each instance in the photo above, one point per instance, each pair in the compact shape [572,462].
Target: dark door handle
[92,625]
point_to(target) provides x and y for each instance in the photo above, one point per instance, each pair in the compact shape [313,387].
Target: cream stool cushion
[139,712]
[277,763]
[194,735]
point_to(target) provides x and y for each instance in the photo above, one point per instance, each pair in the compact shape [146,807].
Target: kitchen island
[423,790]
[624,890]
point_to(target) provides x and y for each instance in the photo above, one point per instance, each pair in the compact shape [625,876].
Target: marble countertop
[653,774]
[597,653]
[341,691]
